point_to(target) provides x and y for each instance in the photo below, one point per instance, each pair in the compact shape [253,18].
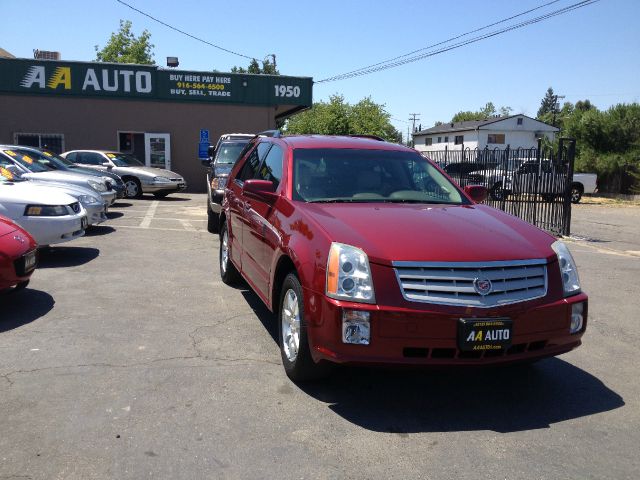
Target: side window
[89,158]
[250,167]
[72,157]
[271,169]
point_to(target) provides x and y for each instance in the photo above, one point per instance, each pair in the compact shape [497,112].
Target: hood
[34,192]
[434,233]
[6,226]
[93,173]
[59,176]
[71,189]
[149,171]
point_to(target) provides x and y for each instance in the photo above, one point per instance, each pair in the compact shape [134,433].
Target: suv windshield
[124,160]
[30,162]
[352,175]
[228,152]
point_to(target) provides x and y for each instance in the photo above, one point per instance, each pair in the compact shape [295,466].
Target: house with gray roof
[515,131]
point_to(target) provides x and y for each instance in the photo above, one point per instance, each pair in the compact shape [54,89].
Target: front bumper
[53,230]
[414,336]
[172,187]
[96,214]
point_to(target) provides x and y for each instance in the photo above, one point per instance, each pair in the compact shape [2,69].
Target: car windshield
[124,160]
[26,160]
[47,159]
[353,175]
[228,152]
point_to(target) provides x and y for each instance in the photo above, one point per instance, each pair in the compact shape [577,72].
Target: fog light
[577,310]
[356,327]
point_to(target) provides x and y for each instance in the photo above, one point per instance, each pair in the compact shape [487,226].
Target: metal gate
[533,184]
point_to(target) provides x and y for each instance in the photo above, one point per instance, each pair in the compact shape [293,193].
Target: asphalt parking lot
[128,358]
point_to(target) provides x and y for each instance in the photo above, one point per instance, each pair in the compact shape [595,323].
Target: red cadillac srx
[369,254]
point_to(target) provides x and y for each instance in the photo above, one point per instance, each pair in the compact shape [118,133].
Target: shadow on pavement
[112,215]
[18,309]
[506,399]
[119,205]
[98,230]
[168,198]
[267,318]
[54,257]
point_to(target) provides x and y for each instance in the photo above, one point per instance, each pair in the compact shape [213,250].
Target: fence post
[571,152]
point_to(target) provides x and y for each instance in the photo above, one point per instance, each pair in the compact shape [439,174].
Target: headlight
[45,210]
[89,200]
[568,270]
[100,187]
[161,180]
[218,183]
[348,274]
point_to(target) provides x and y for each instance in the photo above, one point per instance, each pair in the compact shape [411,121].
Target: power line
[185,33]
[398,61]
[456,37]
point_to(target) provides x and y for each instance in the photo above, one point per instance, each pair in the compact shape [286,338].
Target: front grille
[75,207]
[457,283]
[176,180]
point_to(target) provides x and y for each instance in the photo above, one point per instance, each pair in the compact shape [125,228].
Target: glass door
[157,150]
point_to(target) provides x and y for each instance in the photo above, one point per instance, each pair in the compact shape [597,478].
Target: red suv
[369,254]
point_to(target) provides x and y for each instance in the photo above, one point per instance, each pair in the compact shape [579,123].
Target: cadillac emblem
[19,238]
[482,286]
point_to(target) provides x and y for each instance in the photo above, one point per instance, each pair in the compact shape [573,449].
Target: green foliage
[124,47]
[337,117]
[267,68]
[485,112]
[548,103]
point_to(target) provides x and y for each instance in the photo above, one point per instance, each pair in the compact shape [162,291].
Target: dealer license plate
[29,261]
[479,334]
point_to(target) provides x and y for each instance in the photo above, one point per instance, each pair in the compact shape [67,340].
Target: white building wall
[470,141]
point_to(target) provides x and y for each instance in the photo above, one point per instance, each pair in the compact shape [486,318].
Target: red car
[18,256]
[369,254]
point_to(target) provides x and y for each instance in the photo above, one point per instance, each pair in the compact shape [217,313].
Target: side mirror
[14,170]
[211,151]
[478,193]
[106,164]
[260,189]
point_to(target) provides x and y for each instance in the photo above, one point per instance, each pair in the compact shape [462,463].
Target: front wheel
[228,271]
[133,189]
[294,344]
[497,192]
[576,194]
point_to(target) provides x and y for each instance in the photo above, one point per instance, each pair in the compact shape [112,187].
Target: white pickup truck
[548,182]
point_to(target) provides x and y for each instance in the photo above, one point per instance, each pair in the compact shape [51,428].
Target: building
[159,115]
[515,131]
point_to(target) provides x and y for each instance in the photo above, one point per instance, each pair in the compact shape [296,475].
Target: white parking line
[146,221]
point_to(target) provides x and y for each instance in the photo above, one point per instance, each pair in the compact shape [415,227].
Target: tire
[132,186]
[228,272]
[292,334]
[576,193]
[160,194]
[213,219]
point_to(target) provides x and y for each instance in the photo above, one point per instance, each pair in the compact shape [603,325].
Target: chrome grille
[455,283]
[75,207]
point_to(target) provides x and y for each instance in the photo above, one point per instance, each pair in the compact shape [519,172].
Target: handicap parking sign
[204,136]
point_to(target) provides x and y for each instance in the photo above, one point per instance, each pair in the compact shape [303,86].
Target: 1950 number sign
[287,91]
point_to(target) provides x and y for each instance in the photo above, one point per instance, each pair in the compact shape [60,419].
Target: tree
[124,47]
[485,112]
[337,117]
[267,68]
[548,103]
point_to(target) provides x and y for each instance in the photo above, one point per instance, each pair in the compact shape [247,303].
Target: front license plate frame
[30,260]
[484,334]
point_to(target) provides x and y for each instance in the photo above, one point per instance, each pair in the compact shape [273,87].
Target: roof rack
[270,133]
[372,137]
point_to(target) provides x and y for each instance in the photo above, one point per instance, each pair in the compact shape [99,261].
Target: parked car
[222,158]
[137,178]
[368,254]
[48,214]
[22,165]
[93,202]
[583,183]
[54,161]
[550,180]
[18,256]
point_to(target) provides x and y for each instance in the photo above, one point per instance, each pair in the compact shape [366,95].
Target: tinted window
[250,167]
[89,158]
[272,167]
[71,156]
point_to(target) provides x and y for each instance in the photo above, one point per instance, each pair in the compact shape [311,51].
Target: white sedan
[48,214]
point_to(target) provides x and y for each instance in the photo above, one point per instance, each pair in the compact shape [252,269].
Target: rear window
[352,175]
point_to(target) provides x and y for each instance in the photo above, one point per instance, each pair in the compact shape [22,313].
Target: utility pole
[413,117]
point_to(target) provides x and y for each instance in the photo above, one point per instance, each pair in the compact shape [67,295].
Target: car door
[260,237]
[236,217]
[251,222]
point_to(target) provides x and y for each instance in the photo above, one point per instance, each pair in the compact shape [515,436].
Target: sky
[592,52]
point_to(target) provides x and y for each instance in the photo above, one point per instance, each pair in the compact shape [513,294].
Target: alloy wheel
[290,319]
